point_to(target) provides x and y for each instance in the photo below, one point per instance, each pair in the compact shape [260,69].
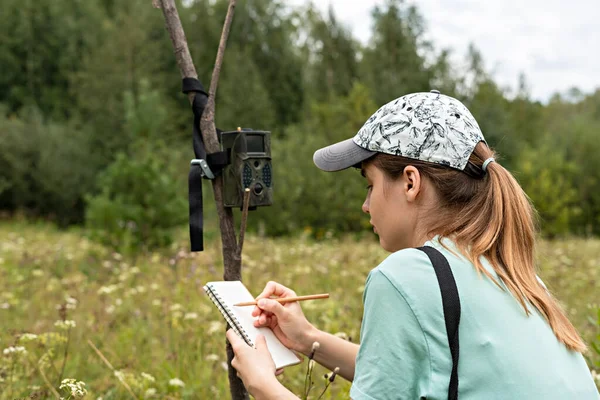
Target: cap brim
[340,156]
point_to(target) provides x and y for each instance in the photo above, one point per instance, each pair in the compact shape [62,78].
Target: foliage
[84,82]
[307,198]
[549,179]
[147,314]
[138,204]
[45,167]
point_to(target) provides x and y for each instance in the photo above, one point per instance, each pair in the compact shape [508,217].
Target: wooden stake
[231,259]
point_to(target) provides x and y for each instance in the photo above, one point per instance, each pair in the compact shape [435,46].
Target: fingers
[275,289]
[235,340]
[270,306]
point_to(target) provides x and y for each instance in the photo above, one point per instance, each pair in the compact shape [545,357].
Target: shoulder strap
[451,305]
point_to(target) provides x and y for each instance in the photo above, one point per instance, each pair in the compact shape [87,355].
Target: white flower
[176,382]
[65,325]
[71,302]
[154,286]
[190,315]
[150,392]
[28,337]
[76,388]
[120,376]
[37,272]
[156,302]
[212,357]
[215,326]
[107,289]
[148,377]
[15,350]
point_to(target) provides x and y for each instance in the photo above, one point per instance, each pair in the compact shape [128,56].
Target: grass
[148,316]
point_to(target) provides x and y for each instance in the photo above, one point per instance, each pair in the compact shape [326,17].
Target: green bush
[138,205]
[548,179]
[45,167]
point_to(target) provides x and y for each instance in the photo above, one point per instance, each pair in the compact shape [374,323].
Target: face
[393,207]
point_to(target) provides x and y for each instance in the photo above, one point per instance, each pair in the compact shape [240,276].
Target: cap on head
[429,127]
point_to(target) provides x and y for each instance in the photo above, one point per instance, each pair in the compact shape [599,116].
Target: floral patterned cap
[425,126]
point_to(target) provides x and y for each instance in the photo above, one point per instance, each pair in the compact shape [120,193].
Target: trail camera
[250,167]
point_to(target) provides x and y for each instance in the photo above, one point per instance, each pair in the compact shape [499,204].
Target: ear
[412,183]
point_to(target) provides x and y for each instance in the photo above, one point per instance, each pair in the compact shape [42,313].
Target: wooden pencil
[283,300]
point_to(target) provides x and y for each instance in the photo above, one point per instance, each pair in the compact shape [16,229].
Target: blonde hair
[490,216]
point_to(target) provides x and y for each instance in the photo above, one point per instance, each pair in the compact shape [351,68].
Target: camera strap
[203,166]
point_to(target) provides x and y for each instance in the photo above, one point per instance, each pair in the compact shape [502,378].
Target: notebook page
[232,292]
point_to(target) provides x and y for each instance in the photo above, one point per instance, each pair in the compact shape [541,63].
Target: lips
[374,229]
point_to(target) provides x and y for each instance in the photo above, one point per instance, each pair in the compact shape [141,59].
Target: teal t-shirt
[504,354]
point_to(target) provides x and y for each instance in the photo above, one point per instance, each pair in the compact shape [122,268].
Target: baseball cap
[427,126]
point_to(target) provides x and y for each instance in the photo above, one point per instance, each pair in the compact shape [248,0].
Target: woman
[433,181]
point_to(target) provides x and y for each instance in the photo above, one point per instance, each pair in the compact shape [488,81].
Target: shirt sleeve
[393,360]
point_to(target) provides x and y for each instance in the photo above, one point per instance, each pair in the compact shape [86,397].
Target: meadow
[147,315]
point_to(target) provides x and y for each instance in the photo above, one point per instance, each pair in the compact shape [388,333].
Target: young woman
[433,181]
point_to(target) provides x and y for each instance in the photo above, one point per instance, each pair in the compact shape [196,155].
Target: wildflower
[65,325]
[15,350]
[176,382]
[212,357]
[120,376]
[156,302]
[334,374]
[190,315]
[148,377]
[154,286]
[37,272]
[315,347]
[71,302]
[5,306]
[107,289]
[76,388]
[150,392]
[28,337]
[214,327]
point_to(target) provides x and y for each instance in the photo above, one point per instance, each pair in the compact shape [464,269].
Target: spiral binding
[233,322]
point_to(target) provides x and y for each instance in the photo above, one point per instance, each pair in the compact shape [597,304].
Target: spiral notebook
[224,295]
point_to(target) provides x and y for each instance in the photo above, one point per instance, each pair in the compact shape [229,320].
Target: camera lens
[258,189]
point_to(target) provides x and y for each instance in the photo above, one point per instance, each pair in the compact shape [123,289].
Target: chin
[392,248]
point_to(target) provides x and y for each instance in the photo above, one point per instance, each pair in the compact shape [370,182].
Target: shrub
[138,205]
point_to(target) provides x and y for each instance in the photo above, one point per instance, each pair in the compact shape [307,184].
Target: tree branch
[231,259]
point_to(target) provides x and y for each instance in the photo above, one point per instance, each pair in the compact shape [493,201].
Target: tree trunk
[231,257]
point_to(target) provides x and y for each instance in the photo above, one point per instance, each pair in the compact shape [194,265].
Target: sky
[555,43]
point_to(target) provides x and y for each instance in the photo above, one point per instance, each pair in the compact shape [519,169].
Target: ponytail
[491,217]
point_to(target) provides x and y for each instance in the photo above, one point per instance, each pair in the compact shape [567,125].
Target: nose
[365,206]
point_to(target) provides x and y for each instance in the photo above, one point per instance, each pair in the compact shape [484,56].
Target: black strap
[451,305]
[216,162]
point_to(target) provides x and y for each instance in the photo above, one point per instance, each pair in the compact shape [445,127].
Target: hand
[287,320]
[254,366]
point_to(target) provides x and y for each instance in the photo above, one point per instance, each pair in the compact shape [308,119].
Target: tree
[391,64]
[332,53]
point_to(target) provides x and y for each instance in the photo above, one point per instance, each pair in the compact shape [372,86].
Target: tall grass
[148,317]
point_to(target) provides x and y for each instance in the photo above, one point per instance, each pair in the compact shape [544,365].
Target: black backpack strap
[451,305]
